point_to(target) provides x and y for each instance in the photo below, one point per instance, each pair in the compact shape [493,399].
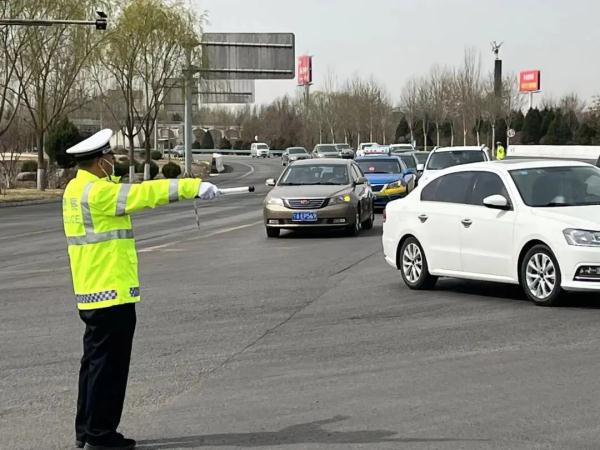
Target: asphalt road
[307,341]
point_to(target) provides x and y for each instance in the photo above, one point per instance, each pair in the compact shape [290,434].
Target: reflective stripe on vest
[90,236]
[173,191]
[122,199]
[104,295]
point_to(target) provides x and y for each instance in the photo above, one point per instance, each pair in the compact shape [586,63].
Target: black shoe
[118,444]
[79,444]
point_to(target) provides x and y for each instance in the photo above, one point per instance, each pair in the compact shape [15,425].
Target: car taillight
[384,215]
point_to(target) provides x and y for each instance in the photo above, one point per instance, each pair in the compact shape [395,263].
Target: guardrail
[203,151]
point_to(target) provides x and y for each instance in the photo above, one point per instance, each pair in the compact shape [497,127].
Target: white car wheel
[540,276]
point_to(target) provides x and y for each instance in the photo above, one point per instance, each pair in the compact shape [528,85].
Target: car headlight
[585,238]
[395,185]
[340,199]
[275,201]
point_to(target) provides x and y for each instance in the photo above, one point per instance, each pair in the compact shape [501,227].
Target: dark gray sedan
[292,154]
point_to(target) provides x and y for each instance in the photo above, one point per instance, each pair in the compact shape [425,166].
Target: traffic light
[101,20]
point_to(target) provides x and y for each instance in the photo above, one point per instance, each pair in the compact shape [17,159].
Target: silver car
[292,154]
[323,193]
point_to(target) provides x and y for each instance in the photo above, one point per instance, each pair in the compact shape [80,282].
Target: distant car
[444,157]
[401,148]
[292,154]
[534,223]
[260,150]
[411,162]
[345,151]
[388,176]
[325,151]
[421,160]
[323,193]
[360,151]
[178,150]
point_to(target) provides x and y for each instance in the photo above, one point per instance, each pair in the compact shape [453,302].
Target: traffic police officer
[500,151]
[97,222]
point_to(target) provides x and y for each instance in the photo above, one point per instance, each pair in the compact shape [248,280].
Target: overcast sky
[393,40]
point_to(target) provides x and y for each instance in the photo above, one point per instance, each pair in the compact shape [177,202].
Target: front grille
[377,187]
[306,203]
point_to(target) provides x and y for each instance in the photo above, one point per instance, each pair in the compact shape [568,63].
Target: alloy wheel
[412,262]
[540,275]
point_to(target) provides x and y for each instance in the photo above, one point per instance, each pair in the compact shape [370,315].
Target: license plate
[304,217]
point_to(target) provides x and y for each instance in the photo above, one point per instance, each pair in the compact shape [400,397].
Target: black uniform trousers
[104,370]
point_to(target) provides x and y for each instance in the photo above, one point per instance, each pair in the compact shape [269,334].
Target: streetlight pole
[187,121]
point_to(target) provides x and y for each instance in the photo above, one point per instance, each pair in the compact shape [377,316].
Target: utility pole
[497,89]
[187,121]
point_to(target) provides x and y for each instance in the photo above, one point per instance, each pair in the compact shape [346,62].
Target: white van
[260,149]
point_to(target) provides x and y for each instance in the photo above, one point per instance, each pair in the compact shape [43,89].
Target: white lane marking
[163,247]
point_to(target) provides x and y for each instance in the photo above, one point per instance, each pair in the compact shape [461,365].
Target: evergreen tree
[207,141]
[547,118]
[532,127]
[586,134]
[518,120]
[402,130]
[62,136]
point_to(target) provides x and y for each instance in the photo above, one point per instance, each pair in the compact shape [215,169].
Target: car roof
[513,164]
[319,161]
[459,148]
[377,157]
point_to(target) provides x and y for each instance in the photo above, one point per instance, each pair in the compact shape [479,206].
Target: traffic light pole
[99,23]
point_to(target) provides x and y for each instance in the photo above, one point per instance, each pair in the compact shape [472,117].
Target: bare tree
[50,63]
[409,104]
[141,58]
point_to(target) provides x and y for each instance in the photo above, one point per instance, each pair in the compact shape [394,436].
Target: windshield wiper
[328,183]
[557,204]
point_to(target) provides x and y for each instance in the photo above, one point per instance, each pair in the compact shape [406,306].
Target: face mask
[112,169]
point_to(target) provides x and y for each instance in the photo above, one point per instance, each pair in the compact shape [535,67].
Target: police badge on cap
[96,145]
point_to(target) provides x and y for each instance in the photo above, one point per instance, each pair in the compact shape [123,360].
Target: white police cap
[96,145]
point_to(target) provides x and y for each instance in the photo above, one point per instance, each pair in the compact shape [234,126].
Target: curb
[29,203]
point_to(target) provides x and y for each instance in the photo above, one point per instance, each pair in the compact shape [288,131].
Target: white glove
[208,191]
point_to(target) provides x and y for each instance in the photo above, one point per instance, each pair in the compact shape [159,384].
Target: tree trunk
[424,136]
[464,131]
[41,172]
[437,134]
[451,134]
[478,139]
[493,151]
[131,158]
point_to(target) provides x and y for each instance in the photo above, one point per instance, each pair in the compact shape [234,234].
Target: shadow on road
[305,433]
[513,292]
[324,233]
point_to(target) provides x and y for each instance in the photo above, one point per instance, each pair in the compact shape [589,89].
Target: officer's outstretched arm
[121,199]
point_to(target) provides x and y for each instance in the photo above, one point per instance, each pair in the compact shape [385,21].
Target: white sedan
[534,223]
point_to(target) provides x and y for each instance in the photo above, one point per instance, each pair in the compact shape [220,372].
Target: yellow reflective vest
[96,216]
[500,153]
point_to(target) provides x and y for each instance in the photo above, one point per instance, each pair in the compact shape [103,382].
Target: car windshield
[558,186]
[343,146]
[378,166]
[327,149]
[296,151]
[262,147]
[409,160]
[421,157]
[443,160]
[315,174]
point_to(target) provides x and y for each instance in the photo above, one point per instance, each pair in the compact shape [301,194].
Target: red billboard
[304,70]
[529,81]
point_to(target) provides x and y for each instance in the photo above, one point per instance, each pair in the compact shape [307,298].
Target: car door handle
[423,218]
[467,222]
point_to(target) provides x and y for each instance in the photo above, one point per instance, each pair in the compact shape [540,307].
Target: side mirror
[496,201]
[420,167]
[270,182]
[361,180]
